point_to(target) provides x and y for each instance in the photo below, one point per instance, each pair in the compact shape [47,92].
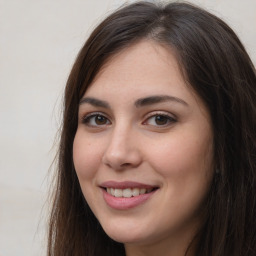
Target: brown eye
[95,120]
[160,120]
[100,120]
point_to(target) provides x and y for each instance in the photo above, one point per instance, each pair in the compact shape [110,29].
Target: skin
[126,142]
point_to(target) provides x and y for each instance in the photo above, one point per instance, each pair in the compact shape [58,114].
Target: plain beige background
[39,40]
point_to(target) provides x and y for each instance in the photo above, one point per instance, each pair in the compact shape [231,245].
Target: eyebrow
[94,102]
[138,103]
[158,99]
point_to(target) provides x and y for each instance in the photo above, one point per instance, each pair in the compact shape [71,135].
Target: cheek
[86,157]
[185,163]
[184,156]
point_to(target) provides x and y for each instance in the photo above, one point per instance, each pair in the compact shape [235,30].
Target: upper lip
[125,184]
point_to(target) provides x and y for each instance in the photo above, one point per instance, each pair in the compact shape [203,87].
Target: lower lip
[124,203]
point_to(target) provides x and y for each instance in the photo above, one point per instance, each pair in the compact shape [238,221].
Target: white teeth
[127,192]
[118,192]
[135,191]
[142,191]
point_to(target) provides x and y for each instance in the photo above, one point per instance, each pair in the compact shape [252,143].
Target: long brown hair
[215,64]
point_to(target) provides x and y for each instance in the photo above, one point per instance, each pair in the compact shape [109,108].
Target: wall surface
[39,40]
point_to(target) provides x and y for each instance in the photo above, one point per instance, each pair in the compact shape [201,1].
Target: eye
[161,120]
[95,120]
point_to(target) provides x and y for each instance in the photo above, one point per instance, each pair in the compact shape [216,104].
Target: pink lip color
[124,203]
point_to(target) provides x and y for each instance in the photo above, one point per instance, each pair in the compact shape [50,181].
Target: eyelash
[87,118]
[167,119]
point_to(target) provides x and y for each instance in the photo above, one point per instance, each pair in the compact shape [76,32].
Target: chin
[124,235]
[125,239]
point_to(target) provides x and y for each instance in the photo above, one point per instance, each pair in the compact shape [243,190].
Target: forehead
[143,63]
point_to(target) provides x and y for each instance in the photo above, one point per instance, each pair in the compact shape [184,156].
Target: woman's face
[143,150]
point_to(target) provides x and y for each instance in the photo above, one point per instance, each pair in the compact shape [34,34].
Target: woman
[158,144]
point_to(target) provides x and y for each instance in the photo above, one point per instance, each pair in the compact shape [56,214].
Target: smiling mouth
[128,192]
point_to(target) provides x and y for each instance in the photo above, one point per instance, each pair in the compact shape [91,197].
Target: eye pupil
[161,120]
[100,120]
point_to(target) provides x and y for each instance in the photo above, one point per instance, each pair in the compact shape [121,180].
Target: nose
[122,151]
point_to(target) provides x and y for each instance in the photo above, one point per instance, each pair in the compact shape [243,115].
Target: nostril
[125,164]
